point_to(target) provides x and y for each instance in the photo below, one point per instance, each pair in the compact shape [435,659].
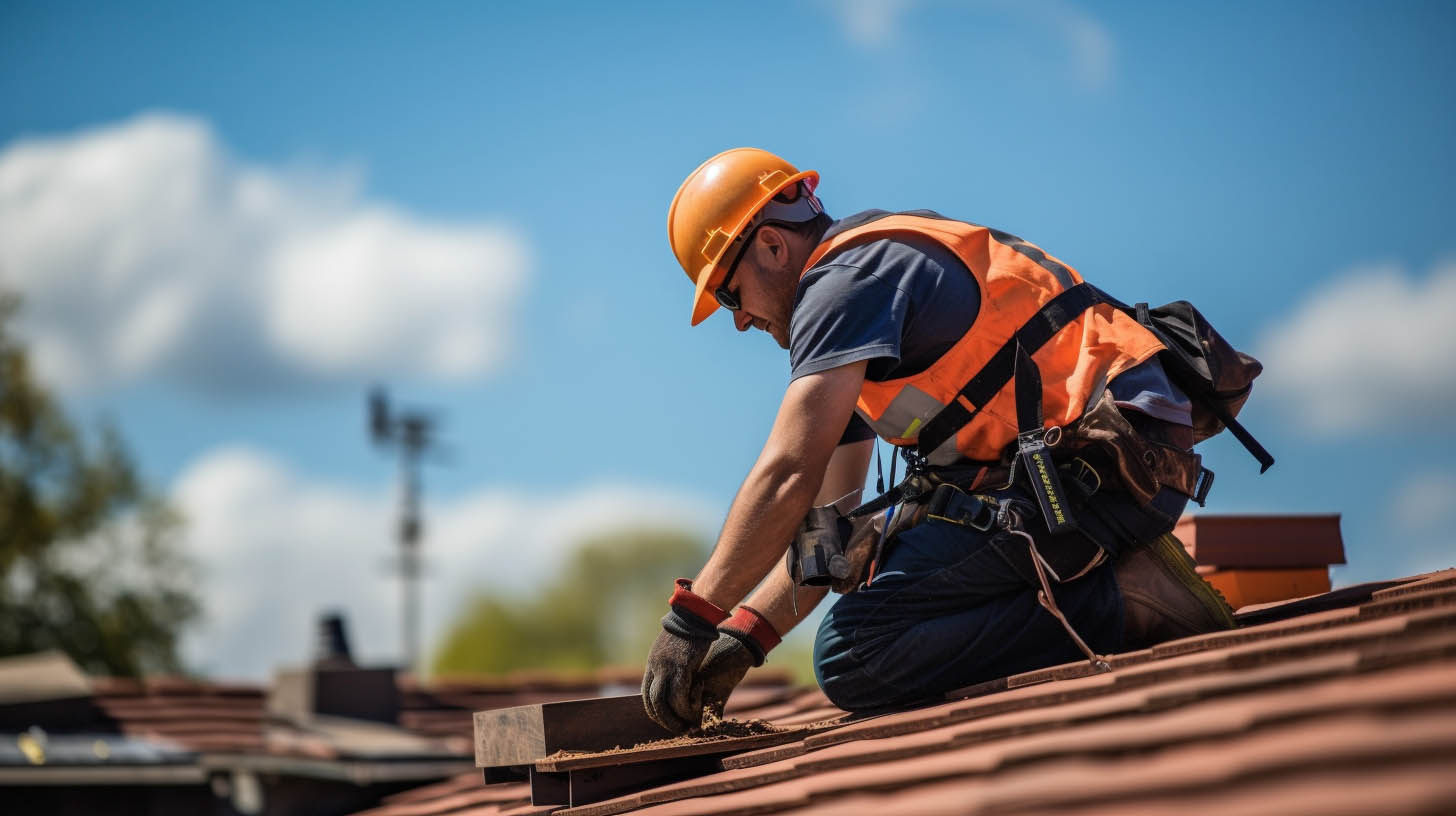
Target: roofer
[1048,453]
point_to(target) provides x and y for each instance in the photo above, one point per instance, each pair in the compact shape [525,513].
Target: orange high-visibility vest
[1016,280]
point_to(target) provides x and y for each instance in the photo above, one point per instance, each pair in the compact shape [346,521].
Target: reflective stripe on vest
[1016,279]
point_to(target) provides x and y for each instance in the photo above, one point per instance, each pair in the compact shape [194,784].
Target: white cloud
[1423,504]
[277,549]
[1088,42]
[869,23]
[1420,516]
[1085,42]
[144,249]
[1373,349]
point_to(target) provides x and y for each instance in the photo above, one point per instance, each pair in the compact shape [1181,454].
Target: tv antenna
[413,434]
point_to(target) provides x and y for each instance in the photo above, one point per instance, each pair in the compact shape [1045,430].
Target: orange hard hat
[715,208]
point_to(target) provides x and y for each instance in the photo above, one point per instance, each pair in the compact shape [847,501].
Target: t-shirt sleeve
[1147,389]
[845,314]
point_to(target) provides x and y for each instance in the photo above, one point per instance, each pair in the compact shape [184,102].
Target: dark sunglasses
[725,298]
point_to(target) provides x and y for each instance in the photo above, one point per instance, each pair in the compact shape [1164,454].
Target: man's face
[765,286]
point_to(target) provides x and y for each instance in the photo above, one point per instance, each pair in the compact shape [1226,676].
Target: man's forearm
[843,477]
[783,483]
[778,599]
[783,603]
[763,519]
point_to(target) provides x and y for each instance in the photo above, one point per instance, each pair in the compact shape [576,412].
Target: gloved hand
[746,640]
[722,670]
[669,692]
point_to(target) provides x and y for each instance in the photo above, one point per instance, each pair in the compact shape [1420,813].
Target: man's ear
[774,246]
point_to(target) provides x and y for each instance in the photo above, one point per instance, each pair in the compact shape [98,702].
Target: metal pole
[412,432]
[410,530]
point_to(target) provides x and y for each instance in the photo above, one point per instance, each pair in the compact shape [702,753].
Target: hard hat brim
[704,301]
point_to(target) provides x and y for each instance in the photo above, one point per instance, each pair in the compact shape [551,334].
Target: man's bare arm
[782,484]
[777,598]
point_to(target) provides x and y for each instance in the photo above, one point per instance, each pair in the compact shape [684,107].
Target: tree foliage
[88,560]
[602,609]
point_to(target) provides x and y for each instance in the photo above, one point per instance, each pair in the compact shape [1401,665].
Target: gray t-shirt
[900,304]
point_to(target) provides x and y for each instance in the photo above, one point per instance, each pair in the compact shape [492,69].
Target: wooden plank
[505,774]
[717,746]
[550,788]
[591,785]
[523,734]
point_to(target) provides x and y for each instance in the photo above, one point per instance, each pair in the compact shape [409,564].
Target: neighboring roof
[1341,703]
[66,728]
[199,716]
[43,676]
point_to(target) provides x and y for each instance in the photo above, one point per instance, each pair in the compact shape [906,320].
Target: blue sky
[1286,166]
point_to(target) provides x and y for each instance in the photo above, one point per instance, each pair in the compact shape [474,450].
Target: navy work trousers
[947,611]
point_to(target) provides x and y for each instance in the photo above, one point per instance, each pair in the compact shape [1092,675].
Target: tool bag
[1216,377]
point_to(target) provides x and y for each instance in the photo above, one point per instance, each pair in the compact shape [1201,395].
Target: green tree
[602,609]
[88,559]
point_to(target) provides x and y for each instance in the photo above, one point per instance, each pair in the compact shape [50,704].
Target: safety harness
[1193,357]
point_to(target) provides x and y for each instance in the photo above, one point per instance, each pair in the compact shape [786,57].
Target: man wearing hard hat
[1048,455]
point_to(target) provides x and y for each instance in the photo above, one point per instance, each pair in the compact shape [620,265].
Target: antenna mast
[413,434]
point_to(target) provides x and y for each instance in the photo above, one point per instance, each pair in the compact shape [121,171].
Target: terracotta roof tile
[1311,709]
[199,716]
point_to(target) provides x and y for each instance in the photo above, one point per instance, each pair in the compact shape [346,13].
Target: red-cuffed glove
[744,640]
[670,691]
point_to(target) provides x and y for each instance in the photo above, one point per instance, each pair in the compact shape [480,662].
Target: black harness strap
[1033,456]
[1001,368]
[1029,416]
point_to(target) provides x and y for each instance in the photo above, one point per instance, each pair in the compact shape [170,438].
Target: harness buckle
[1203,485]
[950,503]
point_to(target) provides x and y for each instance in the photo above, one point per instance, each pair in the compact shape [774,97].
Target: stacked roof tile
[198,716]
[1339,703]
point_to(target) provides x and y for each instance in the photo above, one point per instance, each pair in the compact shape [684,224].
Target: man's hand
[722,670]
[671,690]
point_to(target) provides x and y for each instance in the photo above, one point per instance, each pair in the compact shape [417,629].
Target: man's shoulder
[881,250]
[888,258]
[867,218]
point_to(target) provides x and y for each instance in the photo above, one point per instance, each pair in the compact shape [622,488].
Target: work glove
[743,642]
[669,692]
[723,669]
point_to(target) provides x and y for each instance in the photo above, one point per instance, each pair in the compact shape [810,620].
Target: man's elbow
[789,478]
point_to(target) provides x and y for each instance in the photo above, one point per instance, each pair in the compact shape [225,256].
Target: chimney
[333,684]
[332,648]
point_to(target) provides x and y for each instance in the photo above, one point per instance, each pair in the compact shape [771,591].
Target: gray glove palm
[723,669]
[670,691]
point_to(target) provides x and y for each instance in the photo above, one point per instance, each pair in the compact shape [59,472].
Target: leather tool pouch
[1140,459]
[816,556]
[832,550]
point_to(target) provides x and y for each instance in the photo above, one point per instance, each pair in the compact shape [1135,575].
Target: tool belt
[1103,453]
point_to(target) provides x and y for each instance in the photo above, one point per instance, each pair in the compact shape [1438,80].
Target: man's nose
[742,320]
